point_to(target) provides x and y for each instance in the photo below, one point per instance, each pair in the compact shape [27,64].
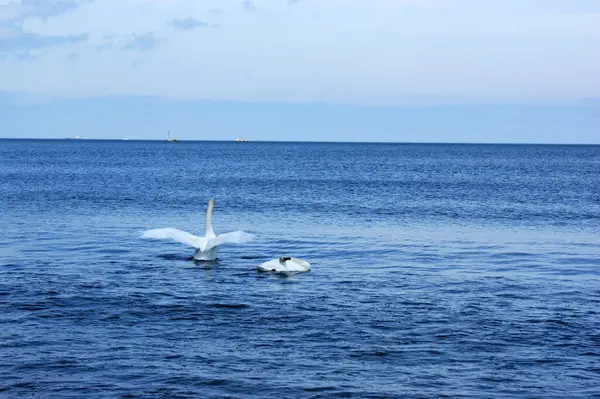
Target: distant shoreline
[297,142]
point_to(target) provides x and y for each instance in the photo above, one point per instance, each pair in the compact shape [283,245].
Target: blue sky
[359,70]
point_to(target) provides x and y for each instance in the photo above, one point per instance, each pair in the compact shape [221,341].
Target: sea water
[438,270]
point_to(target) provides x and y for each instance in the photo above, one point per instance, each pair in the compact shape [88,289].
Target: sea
[438,270]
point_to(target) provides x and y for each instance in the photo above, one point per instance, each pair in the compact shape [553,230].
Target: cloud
[145,42]
[106,42]
[249,5]
[19,10]
[26,56]
[187,23]
[15,39]
[20,41]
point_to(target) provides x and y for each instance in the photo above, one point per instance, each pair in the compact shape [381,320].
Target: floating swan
[207,247]
[285,264]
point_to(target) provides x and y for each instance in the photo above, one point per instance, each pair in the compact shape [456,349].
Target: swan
[207,246]
[284,264]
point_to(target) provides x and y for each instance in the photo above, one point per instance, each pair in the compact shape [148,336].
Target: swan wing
[234,237]
[174,234]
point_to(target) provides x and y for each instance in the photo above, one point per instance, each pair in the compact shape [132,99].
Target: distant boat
[72,138]
[169,139]
[238,140]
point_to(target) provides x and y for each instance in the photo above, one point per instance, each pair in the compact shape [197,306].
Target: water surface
[438,270]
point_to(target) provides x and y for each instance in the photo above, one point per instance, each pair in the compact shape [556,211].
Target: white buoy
[207,247]
[285,264]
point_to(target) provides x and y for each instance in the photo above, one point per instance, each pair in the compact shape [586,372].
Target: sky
[332,70]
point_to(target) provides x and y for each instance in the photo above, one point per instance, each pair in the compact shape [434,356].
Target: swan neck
[208,227]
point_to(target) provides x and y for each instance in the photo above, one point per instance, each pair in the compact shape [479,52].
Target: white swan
[207,247]
[285,264]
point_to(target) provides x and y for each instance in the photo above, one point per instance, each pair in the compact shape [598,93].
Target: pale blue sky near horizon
[522,71]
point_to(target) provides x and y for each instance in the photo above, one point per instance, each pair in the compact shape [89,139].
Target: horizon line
[298,141]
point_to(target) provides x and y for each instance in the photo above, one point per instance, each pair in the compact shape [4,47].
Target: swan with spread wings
[207,246]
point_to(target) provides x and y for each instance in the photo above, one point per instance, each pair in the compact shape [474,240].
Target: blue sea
[438,270]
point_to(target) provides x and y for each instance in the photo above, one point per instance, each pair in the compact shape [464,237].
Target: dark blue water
[438,271]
